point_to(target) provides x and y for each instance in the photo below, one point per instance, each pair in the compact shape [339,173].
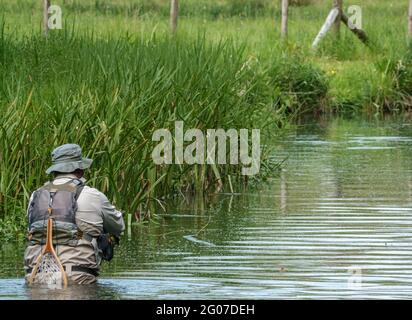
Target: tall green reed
[109,96]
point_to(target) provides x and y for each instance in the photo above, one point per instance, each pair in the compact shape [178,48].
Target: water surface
[337,223]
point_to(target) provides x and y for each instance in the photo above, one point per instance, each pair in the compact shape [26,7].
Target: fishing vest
[63,201]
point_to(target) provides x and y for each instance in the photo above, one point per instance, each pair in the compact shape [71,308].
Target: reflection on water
[16,289]
[336,223]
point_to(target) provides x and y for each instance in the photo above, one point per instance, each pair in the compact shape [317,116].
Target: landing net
[48,272]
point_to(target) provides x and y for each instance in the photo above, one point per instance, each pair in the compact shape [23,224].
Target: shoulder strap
[79,187]
[75,185]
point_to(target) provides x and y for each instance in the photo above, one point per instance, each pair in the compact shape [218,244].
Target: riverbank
[372,80]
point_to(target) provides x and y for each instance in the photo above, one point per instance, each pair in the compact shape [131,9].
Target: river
[336,224]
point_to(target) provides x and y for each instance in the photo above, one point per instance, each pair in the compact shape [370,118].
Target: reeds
[109,95]
[111,77]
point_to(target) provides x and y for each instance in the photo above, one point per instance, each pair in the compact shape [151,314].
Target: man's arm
[113,222]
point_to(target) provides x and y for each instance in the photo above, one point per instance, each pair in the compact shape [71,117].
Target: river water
[337,223]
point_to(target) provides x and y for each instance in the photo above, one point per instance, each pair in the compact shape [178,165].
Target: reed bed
[109,95]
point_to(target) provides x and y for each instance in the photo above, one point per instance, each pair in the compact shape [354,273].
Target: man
[82,221]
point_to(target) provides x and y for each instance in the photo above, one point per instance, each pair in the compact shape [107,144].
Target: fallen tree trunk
[358,32]
[334,16]
[330,20]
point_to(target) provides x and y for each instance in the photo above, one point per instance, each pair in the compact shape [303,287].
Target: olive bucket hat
[68,158]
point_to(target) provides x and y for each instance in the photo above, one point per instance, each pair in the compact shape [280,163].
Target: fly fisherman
[85,224]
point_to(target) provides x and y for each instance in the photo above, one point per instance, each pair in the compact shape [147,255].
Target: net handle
[49,238]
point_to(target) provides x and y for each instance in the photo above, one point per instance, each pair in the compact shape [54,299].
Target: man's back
[95,215]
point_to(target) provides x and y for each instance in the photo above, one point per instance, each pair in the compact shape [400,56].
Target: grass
[114,74]
[110,95]
[357,81]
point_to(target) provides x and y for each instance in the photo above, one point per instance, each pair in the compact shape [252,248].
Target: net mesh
[48,272]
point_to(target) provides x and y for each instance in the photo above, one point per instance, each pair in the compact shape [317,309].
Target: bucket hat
[68,158]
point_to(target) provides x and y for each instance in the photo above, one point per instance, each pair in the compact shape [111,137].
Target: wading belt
[91,271]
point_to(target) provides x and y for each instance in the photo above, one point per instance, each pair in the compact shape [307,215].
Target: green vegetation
[109,96]
[360,78]
[114,74]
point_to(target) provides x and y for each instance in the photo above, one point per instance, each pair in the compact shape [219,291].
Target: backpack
[63,200]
